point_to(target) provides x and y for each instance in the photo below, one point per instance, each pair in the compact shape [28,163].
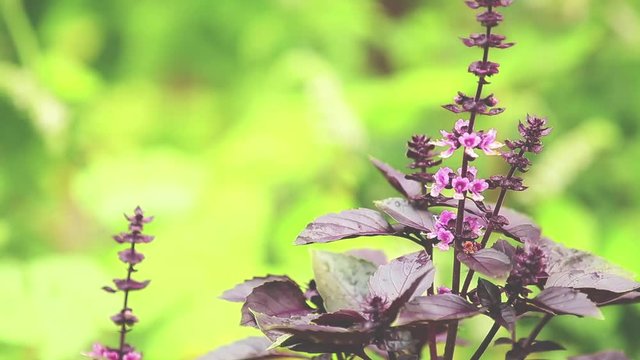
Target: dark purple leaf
[404,213]
[603,298]
[579,279]
[265,322]
[506,317]
[506,248]
[544,345]
[520,227]
[605,355]
[252,348]
[503,341]
[342,318]
[408,188]
[376,257]
[347,224]
[342,280]
[562,300]
[488,293]
[109,289]
[402,278]
[489,261]
[240,292]
[275,298]
[313,334]
[436,308]
[582,270]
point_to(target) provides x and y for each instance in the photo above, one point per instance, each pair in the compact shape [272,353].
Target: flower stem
[491,334]
[452,331]
[490,229]
[125,306]
[536,331]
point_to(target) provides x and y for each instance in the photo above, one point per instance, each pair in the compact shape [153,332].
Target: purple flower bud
[444,290]
[126,317]
[480,68]
[480,40]
[421,151]
[474,4]
[130,256]
[489,18]
[130,284]
[530,264]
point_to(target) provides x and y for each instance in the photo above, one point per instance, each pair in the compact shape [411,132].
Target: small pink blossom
[446,238]
[470,141]
[474,224]
[460,185]
[441,181]
[476,187]
[461,125]
[489,143]
[132,356]
[446,217]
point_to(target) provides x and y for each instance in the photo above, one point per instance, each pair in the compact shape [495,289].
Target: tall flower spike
[125,318]
[422,151]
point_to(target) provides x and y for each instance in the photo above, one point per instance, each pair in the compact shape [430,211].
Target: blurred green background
[236,122]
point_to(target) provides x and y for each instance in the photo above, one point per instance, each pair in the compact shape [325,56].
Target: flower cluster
[461,137]
[444,229]
[464,103]
[482,40]
[529,266]
[101,352]
[125,318]
[446,179]
[422,153]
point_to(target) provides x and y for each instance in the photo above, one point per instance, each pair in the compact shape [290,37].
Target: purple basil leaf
[326,335]
[488,261]
[275,298]
[544,345]
[506,317]
[347,224]
[605,355]
[506,248]
[436,308]
[266,322]
[342,318]
[248,349]
[580,279]
[521,227]
[488,293]
[408,188]
[404,213]
[603,298]
[373,256]
[342,280]
[412,273]
[240,292]
[562,300]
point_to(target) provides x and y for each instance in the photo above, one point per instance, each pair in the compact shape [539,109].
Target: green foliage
[193,107]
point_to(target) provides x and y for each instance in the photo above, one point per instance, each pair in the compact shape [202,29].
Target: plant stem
[452,331]
[490,229]
[339,356]
[536,331]
[125,306]
[491,334]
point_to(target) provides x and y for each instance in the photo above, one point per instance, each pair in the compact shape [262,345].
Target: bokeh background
[236,122]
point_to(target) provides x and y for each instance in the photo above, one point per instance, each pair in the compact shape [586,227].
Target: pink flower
[445,218]
[474,224]
[461,126]
[489,143]
[470,141]
[449,140]
[476,187]
[132,356]
[97,351]
[441,181]
[446,238]
[444,290]
[112,355]
[460,185]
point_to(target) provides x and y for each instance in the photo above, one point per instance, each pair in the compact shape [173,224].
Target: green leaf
[342,280]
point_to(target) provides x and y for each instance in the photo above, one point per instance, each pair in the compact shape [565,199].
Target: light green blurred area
[236,122]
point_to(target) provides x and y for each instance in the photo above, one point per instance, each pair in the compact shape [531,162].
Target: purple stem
[125,306]
[452,331]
